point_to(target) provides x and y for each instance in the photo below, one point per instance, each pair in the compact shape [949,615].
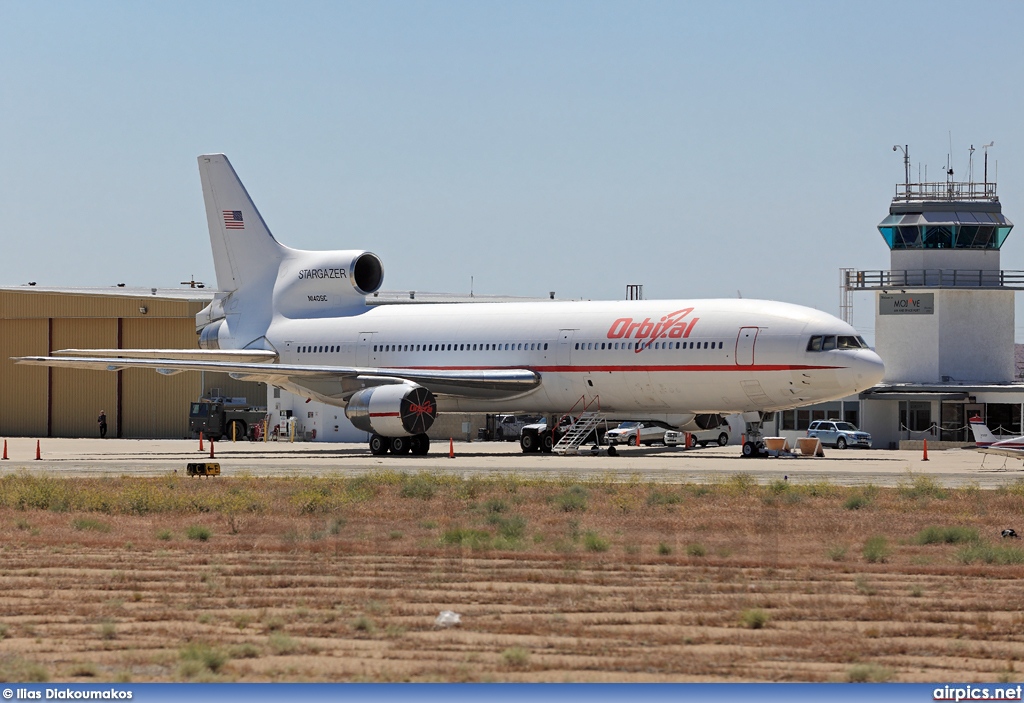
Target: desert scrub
[511,528]
[207,657]
[755,619]
[990,554]
[946,535]
[836,552]
[696,550]
[90,524]
[515,658]
[869,673]
[466,537]
[876,549]
[663,498]
[922,487]
[594,542]
[364,624]
[856,502]
[198,532]
[572,500]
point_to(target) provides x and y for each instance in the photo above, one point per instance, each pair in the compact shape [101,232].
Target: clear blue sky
[697,148]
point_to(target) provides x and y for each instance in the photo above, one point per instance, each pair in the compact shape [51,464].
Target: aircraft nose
[867,369]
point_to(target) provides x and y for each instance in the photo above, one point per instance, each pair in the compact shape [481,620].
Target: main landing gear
[754,447]
[417,445]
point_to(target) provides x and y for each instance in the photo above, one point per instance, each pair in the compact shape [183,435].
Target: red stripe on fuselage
[590,369]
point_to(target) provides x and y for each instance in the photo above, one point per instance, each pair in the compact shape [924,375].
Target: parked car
[839,434]
[626,433]
[717,435]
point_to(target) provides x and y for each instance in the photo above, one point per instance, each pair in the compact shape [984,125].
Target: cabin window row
[509,346]
[598,346]
[319,349]
[828,342]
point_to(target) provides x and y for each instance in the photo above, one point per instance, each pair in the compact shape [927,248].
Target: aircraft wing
[330,381]
[1000,451]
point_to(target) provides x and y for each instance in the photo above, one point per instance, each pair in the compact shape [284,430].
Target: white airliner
[988,443]
[300,320]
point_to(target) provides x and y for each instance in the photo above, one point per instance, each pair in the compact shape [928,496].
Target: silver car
[839,434]
[635,434]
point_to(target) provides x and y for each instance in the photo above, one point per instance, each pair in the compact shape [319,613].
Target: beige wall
[23,394]
[78,396]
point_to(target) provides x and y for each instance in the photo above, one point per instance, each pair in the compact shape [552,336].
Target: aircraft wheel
[547,443]
[528,442]
[419,445]
[379,445]
[401,445]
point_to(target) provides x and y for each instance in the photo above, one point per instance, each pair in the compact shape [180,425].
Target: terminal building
[944,322]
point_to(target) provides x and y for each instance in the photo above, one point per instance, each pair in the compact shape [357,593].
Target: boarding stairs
[576,435]
[582,425]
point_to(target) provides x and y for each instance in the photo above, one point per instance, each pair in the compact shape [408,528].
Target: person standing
[102,419]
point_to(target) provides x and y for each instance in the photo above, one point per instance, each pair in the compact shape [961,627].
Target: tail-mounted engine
[399,410]
[313,284]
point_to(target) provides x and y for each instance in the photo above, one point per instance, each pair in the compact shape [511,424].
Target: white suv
[717,435]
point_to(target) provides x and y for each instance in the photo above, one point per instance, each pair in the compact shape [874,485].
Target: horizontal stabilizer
[230,355]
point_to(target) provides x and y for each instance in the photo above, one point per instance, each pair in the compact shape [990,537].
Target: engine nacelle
[398,410]
[314,284]
[216,335]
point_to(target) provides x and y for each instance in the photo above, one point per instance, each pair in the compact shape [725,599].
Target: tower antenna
[986,148]
[906,164]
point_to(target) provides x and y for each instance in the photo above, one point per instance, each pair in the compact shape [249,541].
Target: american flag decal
[233,219]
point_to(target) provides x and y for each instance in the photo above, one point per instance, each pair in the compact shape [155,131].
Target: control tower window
[938,238]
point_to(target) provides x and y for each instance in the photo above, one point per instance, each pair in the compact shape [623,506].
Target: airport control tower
[945,309]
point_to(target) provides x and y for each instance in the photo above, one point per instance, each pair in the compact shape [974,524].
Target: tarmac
[159,457]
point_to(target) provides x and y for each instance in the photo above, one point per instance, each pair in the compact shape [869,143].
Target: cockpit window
[829,342]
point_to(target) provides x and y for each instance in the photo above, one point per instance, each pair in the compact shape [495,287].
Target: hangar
[56,402]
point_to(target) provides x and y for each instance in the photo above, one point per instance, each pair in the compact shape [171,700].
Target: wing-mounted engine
[398,410]
[313,284]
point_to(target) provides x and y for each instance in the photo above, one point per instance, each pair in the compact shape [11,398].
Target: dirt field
[335,579]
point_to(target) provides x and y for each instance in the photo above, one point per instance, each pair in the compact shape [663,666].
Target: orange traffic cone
[5,450]
[211,447]
[200,441]
[451,448]
[925,457]
[38,455]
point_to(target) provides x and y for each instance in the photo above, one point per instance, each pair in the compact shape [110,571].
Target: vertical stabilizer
[244,252]
[983,436]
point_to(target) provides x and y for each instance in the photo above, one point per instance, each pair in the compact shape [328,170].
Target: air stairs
[585,424]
